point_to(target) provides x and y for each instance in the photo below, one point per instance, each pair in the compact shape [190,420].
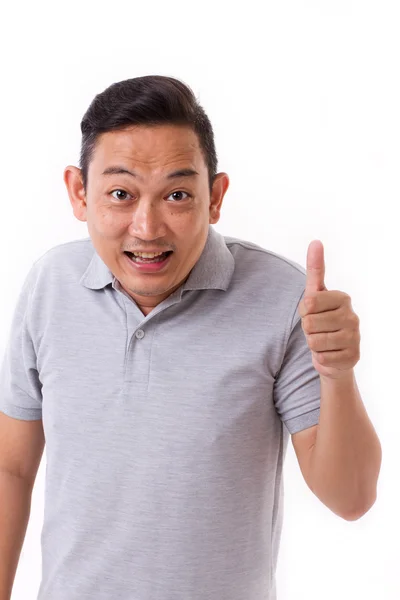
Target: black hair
[147,100]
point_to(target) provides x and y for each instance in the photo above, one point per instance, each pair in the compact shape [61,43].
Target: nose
[147,220]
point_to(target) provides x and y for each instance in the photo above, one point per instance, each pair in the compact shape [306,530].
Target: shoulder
[56,268]
[254,262]
[63,259]
[75,249]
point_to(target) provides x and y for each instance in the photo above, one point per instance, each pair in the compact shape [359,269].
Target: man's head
[151,126]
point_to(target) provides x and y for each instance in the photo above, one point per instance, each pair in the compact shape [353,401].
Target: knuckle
[312,342]
[309,303]
[307,323]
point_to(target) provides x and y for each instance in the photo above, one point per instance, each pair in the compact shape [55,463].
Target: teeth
[147,254]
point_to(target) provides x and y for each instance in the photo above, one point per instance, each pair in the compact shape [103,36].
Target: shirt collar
[213,270]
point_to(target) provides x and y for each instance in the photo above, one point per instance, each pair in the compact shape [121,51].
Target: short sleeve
[297,391]
[20,387]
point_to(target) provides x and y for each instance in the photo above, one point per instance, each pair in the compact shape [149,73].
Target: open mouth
[139,259]
[149,265]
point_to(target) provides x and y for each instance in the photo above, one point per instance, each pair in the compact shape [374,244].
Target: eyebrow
[116,170]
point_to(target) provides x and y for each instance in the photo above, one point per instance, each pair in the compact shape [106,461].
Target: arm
[346,457]
[15,504]
[21,449]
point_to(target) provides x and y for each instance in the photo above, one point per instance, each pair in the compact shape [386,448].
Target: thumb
[315,267]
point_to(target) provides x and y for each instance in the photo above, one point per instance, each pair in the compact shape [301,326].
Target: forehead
[149,147]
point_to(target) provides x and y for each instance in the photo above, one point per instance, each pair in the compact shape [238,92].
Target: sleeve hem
[301,422]
[24,414]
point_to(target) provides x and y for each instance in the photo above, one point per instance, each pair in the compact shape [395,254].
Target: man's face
[148,211]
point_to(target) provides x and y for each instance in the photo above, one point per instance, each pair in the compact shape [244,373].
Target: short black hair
[147,100]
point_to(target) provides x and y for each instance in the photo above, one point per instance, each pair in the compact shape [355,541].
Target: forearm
[346,457]
[15,504]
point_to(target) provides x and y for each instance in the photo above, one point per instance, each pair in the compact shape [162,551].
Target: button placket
[137,335]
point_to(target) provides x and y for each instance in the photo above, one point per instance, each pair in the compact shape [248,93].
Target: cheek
[195,242]
[108,223]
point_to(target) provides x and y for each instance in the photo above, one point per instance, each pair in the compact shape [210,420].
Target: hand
[330,325]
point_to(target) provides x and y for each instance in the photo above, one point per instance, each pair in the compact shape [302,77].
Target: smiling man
[164,367]
[161,205]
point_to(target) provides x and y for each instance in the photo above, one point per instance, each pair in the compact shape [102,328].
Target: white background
[304,99]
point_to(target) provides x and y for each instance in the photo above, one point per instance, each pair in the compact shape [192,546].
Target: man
[165,365]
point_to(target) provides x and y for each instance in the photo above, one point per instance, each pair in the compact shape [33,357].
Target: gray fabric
[165,434]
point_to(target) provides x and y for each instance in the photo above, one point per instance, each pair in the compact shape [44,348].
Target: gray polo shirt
[166,433]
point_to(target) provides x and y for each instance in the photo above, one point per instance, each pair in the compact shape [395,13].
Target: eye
[180,192]
[119,191]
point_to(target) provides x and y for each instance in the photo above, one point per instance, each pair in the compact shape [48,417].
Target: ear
[220,186]
[74,183]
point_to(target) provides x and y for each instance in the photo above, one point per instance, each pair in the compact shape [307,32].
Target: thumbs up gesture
[331,327]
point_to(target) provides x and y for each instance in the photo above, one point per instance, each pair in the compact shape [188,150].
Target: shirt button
[139,334]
